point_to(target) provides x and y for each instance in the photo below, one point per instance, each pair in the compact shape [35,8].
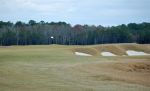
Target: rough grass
[56,68]
[118,49]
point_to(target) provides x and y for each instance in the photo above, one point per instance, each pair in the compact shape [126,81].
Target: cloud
[77,11]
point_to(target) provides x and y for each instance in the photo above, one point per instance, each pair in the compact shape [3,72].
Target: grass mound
[117,49]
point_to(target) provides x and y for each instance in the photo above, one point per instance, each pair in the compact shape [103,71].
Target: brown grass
[56,68]
[137,72]
[118,49]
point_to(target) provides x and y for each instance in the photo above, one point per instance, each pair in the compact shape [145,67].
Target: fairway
[57,68]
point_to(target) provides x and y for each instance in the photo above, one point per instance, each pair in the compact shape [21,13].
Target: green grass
[56,68]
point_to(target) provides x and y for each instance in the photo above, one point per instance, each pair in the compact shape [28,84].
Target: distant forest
[43,33]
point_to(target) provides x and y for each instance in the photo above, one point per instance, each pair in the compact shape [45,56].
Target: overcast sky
[98,12]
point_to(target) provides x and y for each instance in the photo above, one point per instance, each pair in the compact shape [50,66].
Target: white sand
[82,54]
[107,54]
[135,53]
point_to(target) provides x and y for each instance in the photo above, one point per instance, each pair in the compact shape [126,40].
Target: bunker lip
[82,54]
[135,53]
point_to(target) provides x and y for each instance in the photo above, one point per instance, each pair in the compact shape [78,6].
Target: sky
[92,12]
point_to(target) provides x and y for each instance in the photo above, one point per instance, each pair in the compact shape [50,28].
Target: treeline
[37,33]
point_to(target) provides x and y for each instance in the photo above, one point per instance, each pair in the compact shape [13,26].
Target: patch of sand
[82,54]
[135,53]
[107,54]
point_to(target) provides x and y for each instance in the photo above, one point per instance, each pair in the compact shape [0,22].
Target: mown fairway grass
[56,68]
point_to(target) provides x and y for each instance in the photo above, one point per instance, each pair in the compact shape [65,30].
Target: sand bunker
[135,53]
[107,54]
[82,54]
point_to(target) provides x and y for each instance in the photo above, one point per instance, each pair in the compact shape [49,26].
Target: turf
[57,68]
